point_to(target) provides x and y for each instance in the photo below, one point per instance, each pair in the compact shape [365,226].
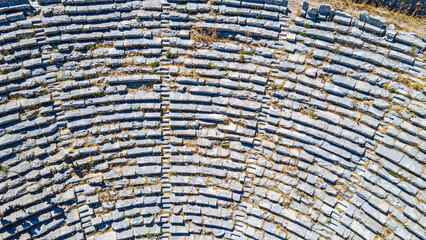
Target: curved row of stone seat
[354,115]
[220,65]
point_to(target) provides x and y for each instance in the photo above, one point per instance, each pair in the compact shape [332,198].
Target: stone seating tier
[220,119]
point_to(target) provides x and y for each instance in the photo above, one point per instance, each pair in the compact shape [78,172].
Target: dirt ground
[402,21]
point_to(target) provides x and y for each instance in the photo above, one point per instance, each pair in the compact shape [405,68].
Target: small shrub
[242,58]
[87,77]
[303,34]
[314,116]
[155,64]
[44,92]
[225,145]
[170,55]
[251,53]
[138,19]
[393,90]
[90,164]
[4,169]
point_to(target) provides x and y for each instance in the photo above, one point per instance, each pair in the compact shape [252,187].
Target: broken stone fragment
[304,8]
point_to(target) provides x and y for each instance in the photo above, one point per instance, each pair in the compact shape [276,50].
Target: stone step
[165,180]
[342,68]
[167,133]
[166,169]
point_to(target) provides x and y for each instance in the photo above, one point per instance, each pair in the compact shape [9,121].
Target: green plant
[393,174]
[303,34]
[87,165]
[314,116]
[248,52]
[87,77]
[99,94]
[155,235]
[225,145]
[138,19]
[242,58]
[393,90]
[90,164]
[170,55]
[155,64]
[44,92]
[4,169]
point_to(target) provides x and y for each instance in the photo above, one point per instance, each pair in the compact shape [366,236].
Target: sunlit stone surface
[209,119]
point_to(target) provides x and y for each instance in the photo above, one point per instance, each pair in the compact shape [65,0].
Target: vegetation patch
[170,55]
[155,64]
[4,169]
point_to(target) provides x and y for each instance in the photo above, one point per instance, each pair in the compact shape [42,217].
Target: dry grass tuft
[204,36]
[401,20]
[200,35]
